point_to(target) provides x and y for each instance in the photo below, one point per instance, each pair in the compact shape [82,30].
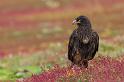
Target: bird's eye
[78,21]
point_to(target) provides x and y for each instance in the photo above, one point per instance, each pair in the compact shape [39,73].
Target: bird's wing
[96,40]
[71,49]
[94,45]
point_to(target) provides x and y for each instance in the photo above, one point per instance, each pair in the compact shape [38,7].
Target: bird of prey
[83,42]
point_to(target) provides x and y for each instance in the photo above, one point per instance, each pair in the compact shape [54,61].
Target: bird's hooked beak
[75,22]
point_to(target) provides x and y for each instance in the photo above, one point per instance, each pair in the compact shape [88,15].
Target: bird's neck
[85,27]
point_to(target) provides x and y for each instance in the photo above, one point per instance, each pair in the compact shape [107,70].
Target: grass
[15,67]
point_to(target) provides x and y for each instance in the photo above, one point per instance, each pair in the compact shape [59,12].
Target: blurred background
[35,33]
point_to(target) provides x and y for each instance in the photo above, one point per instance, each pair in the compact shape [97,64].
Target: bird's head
[82,21]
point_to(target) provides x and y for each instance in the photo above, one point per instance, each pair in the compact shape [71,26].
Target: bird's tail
[85,63]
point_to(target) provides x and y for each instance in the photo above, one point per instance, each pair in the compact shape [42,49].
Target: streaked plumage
[83,42]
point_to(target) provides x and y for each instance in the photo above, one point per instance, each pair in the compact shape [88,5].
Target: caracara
[83,42]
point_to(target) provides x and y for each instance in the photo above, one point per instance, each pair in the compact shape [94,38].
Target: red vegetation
[101,69]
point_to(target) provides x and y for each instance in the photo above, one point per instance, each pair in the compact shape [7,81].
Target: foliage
[102,69]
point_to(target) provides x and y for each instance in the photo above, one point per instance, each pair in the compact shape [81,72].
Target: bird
[83,42]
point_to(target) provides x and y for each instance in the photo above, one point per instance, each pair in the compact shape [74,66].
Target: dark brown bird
[83,42]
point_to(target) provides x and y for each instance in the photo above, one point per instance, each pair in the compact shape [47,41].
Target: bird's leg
[80,63]
[85,63]
[71,66]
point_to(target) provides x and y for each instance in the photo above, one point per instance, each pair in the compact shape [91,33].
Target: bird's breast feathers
[85,40]
[83,37]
